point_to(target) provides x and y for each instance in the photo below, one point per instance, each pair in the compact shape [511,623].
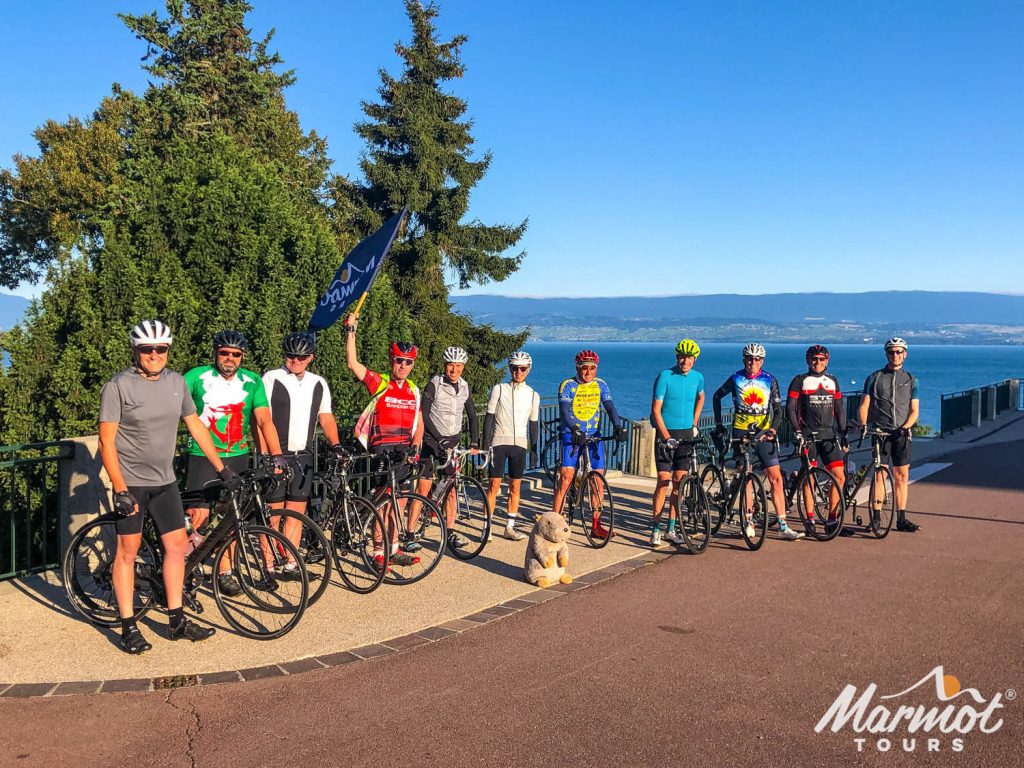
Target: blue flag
[355,274]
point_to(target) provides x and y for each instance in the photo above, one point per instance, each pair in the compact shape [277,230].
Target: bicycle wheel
[597,511]
[266,607]
[472,517]
[430,533]
[821,520]
[694,514]
[88,573]
[881,502]
[552,458]
[352,543]
[314,548]
[753,511]
[716,491]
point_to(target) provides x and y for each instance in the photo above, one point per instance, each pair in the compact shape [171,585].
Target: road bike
[590,497]
[464,501]
[693,509]
[266,607]
[819,499]
[744,489]
[881,494]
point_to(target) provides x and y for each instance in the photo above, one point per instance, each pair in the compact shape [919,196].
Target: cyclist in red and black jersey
[392,418]
[815,403]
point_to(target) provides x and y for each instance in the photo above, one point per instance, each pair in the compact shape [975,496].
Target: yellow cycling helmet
[688,347]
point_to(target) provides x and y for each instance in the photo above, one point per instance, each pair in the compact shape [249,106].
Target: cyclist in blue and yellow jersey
[757,404]
[675,408]
[579,410]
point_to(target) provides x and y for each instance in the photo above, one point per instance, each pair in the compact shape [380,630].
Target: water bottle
[194,537]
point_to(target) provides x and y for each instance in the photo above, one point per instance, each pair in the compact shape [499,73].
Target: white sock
[511,523]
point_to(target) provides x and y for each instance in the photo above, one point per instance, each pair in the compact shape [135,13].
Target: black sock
[127,625]
[176,616]
[901,515]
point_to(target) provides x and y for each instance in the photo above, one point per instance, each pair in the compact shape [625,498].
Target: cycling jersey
[225,406]
[756,401]
[678,393]
[816,402]
[443,405]
[579,405]
[295,406]
[891,394]
[392,414]
[513,411]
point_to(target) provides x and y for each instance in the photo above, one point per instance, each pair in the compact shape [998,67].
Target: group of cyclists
[142,406]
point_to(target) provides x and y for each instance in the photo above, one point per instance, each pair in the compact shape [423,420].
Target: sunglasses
[745,357]
[229,353]
[150,349]
[402,360]
[896,352]
[300,358]
[819,359]
[586,367]
[518,368]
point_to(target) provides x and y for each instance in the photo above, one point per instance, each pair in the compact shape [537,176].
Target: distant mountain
[12,309]
[936,317]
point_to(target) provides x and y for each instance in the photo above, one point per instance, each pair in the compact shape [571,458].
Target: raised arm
[351,356]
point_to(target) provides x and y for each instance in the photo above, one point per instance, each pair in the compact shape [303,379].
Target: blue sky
[659,147]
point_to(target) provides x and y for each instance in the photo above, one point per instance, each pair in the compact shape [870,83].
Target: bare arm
[330,427]
[697,408]
[862,409]
[108,454]
[659,422]
[914,413]
[201,435]
[268,430]
[351,356]
[417,437]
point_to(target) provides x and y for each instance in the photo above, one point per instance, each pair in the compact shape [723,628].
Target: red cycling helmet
[816,350]
[403,349]
[587,356]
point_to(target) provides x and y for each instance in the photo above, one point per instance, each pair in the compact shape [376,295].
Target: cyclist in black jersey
[815,404]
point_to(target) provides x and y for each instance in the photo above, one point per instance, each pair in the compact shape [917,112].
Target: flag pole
[359,306]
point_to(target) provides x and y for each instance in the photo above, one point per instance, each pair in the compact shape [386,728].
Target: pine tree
[419,152]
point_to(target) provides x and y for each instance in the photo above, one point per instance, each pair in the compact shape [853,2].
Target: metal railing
[30,507]
[969,407]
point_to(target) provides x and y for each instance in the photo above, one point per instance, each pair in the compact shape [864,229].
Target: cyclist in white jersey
[511,428]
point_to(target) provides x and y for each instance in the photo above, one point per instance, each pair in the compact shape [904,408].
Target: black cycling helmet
[299,343]
[230,338]
[816,350]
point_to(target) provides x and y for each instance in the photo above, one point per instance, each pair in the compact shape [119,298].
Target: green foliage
[419,152]
[922,430]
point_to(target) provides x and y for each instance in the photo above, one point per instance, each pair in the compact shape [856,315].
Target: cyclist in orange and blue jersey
[580,400]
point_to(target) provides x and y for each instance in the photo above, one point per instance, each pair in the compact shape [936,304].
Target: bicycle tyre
[432,535]
[881,526]
[280,603]
[87,571]
[551,460]
[594,486]
[753,510]
[693,515]
[315,550]
[472,516]
[716,490]
[819,482]
[352,544]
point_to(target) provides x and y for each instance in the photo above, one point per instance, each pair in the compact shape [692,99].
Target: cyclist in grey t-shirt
[140,409]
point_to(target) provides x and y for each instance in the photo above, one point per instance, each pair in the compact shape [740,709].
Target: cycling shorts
[301,482]
[512,455]
[767,451]
[829,451]
[570,453]
[402,471]
[200,473]
[668,460]
[161,502]
[898,448]
[435,453]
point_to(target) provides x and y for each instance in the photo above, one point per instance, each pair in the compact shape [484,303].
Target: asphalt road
[730,658]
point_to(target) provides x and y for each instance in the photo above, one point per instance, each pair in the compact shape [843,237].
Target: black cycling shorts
[767,451]
[829,451]
[435,453]
[667,460]
[161,502]
[512,455]
[898,448]
[200,473]
[402,471]
[301,482]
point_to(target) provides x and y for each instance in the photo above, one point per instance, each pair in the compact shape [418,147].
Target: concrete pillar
[84,487]
[990,414]
[976,407]
[645,458]
[1015,394]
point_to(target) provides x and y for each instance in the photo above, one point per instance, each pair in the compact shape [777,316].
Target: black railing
[967,407]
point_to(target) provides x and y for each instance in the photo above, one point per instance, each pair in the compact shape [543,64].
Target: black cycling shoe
[288,574]
[229,585]
[847,532]
[906,526]
[189,630]
[134,643]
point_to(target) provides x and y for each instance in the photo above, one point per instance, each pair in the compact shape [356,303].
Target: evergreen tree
[419,152]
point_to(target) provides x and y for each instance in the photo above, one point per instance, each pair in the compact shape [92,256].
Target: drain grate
[174,681]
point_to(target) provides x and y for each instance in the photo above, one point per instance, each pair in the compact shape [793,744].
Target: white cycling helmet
[520,358]
[754,350]
[151,332]
[895,343]
[455,355]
